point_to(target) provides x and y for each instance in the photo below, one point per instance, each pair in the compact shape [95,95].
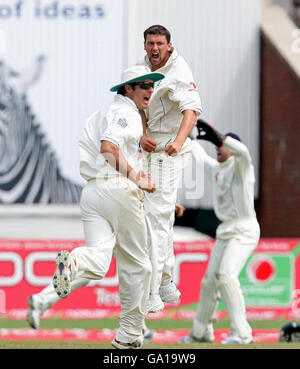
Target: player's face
[222,154]
[141,93]
[158,50]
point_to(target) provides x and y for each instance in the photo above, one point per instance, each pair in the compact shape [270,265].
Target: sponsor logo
[261,269]
[194,87]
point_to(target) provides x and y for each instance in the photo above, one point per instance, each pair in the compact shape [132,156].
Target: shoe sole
[30,320]
[29,315]
[30,302]
[148,337]
[124,346]
[61,278]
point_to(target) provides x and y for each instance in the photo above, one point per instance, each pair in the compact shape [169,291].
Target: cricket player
[232,175]
[169,120]
[112,205]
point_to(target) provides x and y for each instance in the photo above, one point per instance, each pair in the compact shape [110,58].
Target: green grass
[32,344]
[113,324]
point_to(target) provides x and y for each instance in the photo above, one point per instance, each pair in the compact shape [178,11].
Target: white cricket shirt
[121,125]
[172,95]
[233,181]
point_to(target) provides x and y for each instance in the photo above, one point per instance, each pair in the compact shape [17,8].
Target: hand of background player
[179,210]
[208,133]
[147,143]
[144,181]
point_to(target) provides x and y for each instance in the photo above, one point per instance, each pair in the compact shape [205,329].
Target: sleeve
[202,158]
[185,92]
[117,130]
[240,152]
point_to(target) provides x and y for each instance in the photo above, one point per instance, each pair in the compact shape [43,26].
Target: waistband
[164,139]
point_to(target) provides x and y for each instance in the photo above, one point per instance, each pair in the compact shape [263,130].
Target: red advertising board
[270,280]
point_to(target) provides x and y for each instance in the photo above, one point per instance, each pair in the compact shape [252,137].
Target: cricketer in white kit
[170,118]
[232,175]
[112,205]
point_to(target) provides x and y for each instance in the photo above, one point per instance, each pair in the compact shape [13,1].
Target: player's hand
[208,133]
[147,143]
[179,210]
[144,181]
[173,148]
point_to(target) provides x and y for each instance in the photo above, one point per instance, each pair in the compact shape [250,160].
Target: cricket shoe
[155,304]
[208,338]
[148,334]
[62,275]
[137,344]
[233,340]
[169,292]
[34,312]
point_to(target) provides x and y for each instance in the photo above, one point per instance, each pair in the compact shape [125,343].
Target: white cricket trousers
[167,172]
[234,244]
[113,215]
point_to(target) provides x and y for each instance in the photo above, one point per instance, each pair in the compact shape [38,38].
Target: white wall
[220,41]
[84,58]
[86,55]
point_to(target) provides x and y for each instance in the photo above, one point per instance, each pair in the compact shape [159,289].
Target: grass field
[113,324]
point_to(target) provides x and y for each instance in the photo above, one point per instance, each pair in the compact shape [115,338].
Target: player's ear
[128,89]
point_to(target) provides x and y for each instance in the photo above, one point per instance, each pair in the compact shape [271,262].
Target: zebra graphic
[29,169]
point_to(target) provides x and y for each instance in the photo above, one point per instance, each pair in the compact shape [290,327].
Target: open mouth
[155,56]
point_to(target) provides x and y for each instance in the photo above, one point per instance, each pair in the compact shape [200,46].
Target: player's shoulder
[94,117]
[122,115]
[179,60]
[181,68]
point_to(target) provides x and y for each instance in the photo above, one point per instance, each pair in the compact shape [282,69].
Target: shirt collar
[126,100]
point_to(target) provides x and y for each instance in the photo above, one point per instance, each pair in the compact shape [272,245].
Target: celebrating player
[112,205]
[170,118]
[237,236]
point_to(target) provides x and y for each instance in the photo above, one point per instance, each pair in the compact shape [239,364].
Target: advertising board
[270,280]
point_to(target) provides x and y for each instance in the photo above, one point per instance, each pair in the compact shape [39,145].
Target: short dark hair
[122,91]
[157,30]
[233,135]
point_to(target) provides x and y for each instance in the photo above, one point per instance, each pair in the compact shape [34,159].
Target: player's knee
[207,282]
[225,279]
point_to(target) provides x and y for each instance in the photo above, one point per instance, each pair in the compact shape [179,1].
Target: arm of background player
[202,158]
[238,149]
[186,127]
[240,152]
[179,210]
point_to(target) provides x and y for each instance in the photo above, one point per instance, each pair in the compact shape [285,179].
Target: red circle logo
[261,269]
